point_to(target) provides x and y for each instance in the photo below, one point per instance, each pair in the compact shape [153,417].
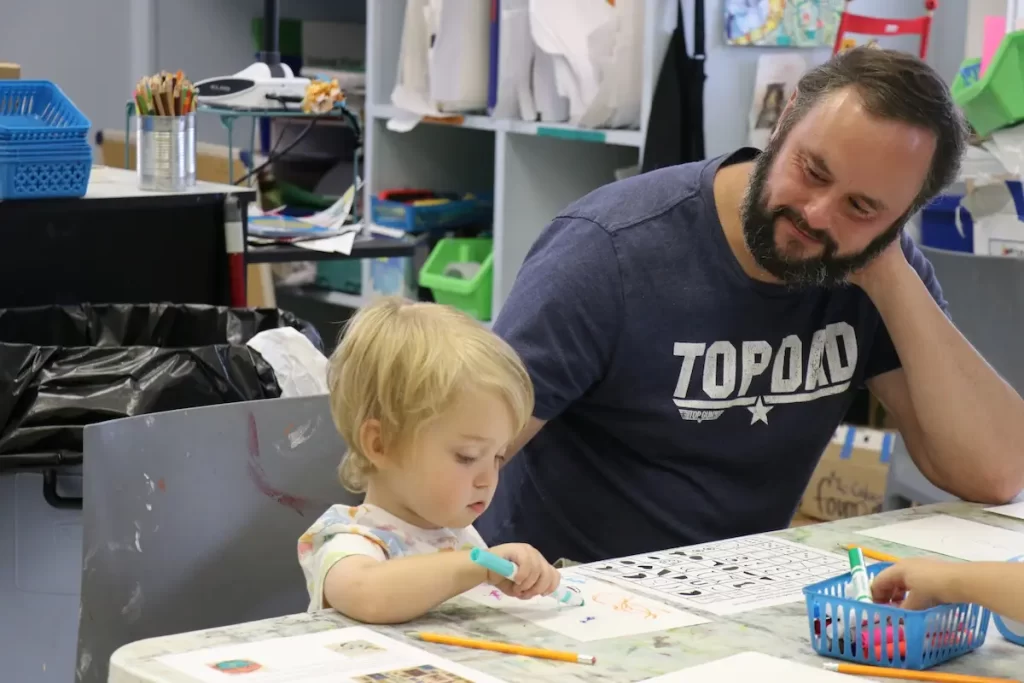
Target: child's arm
[399,590]
[999,586]
[396,591]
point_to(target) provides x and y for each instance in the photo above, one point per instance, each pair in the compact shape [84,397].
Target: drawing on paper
[415,674]
[953,536]
[782,23]
[356,648]
[725,577]
[236,666]
[608,610]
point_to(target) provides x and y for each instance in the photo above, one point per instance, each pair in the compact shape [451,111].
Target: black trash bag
[64,367]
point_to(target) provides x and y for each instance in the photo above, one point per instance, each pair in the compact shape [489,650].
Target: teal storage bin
[340,276]
[469,294]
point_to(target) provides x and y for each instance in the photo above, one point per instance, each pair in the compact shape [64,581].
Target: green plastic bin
[996,100]
[472,295]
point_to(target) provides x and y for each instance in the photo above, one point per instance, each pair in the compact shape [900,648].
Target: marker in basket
[908,675]
[507,648]
[502,567]
[859,581]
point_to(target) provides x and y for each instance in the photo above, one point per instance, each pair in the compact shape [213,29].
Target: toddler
[428,401]
[922,583]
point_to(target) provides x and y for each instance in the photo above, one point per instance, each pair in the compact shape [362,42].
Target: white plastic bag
[300,368]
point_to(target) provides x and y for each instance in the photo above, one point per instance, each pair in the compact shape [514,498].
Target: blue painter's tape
[851,434]
[887,442]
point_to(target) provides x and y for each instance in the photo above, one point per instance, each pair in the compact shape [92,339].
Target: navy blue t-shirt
[686,402]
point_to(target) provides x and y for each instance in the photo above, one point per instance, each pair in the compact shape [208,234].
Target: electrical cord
[274,154]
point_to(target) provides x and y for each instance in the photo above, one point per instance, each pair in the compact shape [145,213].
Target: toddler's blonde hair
[403,363]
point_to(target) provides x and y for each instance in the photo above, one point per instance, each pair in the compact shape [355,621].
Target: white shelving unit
[533,169]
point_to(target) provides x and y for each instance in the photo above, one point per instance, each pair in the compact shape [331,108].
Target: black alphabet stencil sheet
[725,577]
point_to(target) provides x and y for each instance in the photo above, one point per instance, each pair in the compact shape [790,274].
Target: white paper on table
[954,537]
[609,611]
[752,666]
[724,577]
[1015,510]
[339,244]
[777,76]
[337,656]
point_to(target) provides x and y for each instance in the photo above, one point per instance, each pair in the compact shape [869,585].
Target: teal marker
[859,581]
[502,567]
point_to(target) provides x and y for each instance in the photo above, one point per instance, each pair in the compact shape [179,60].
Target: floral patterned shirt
[369,530]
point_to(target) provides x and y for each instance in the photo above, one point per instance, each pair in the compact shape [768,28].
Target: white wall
[97,67]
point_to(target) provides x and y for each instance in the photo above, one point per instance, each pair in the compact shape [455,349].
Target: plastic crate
[37,174]
[39,112]
[996,99]
[471,295]
[938,224]
[888,636]
[455,213]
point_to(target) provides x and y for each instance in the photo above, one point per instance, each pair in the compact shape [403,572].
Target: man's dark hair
[895,86]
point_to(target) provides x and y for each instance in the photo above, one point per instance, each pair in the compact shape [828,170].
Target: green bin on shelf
[470,294]
[996,99]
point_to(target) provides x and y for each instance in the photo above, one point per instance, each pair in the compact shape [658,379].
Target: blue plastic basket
[883,635]
[39,111]
[415,219]
[44,173]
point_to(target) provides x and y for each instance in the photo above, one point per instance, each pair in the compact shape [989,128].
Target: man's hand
[878,269]
[534,576]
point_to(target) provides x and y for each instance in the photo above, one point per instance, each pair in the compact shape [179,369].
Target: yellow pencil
[905,675]
[874,554]
[507,648]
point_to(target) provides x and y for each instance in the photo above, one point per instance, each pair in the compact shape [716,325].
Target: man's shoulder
[640,199]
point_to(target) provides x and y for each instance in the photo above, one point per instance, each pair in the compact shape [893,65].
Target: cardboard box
[849,480]
[10,71]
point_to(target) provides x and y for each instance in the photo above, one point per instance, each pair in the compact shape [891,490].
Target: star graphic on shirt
[759,411]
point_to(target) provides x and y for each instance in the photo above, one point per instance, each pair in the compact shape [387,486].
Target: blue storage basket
[38,112]
[888,636]
[455,213]
[44,173]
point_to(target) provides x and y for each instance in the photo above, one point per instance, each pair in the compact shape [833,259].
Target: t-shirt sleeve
[323,546]
[565,312]
[883,357]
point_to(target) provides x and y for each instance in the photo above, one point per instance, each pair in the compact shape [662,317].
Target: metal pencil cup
[166,152]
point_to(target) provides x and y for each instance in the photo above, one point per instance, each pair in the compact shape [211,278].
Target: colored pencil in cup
[506,648]
[906,675]
[873,554]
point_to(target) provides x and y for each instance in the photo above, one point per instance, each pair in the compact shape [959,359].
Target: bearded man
[696,334]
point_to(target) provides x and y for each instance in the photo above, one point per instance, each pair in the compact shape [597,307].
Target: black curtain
[675,131]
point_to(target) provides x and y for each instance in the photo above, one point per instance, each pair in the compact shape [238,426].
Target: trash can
[62,368]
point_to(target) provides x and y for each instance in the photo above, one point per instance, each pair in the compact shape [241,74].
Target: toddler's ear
[371,443]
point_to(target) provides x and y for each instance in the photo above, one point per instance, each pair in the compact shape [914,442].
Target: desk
[780,631]
[118,244]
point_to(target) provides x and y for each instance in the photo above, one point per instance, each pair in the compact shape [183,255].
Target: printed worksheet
[346,655]
[608,611]
[954,537]
[725,577]
[751,666]
[1015,510]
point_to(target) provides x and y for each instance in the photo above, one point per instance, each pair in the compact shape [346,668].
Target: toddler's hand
[915,584]
[534,577]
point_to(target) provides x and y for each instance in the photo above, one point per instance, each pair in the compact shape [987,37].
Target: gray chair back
[191,519]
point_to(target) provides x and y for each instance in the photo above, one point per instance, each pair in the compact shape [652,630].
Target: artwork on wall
[782,23]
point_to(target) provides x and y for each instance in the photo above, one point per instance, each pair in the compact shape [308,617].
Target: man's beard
[825,270]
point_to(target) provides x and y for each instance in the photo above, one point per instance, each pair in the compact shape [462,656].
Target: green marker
[859,580]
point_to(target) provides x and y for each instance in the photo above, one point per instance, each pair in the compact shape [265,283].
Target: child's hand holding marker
[519,570]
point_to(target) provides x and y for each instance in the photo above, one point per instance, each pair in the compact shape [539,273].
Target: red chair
[875,26]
